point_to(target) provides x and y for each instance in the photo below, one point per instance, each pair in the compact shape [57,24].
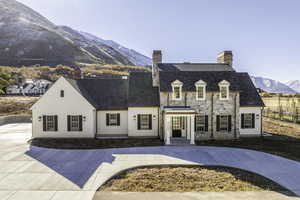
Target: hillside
[272,86]
[28,38]
[295,85]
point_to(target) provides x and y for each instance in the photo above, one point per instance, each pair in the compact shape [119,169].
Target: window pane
[248,120]
[200,123]
[177,92]
[200,92]
[50,123]
[224,123]
[113,119]
[74,123]
[223,92]
[145,122]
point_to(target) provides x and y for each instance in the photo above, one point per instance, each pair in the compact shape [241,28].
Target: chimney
[77,73]
[225,57]
[156,57]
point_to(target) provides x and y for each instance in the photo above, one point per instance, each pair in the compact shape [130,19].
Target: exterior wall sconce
[134,117]
[154,117]
[84,118]
[40,118]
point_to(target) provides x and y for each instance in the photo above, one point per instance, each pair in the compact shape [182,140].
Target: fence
[283,114]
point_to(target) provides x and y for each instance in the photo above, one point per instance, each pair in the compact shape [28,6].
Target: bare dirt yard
[16,105]
[189,179]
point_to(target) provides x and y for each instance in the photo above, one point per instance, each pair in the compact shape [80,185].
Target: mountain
[295,85]
[272,86]
[28,38]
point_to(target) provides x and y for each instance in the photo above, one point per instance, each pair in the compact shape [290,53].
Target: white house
[177,101]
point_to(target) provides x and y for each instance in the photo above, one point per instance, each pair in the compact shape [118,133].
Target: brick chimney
[225,57]
[77,73]
[156,59]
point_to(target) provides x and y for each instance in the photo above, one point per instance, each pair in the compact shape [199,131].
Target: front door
[177,126]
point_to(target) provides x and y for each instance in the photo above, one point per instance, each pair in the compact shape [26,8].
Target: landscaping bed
[189,179]
[84,143]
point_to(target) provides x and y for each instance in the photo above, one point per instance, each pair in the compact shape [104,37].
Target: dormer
[177,90]
[224,90]
[200,90]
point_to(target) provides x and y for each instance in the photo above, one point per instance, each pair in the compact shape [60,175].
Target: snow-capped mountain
[28,38]
[295,85]
[272,86]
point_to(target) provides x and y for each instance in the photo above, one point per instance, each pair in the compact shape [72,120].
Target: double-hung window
[74,123]
[201,123]
[224,123]
[113,119]
[200,90]
[224,90]
[177,90]
[248,120]
[50,123]
[144,122]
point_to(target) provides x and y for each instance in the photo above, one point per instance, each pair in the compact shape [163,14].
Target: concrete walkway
[40,173]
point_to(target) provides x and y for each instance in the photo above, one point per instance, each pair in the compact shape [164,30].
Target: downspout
[261,121]
[158,121]
[212,116]
[235,116]
[96,118]
[185,96]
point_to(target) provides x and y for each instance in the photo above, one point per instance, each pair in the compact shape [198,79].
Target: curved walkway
[58,173]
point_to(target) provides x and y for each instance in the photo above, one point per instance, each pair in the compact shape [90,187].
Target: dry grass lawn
[189,179]
[16,105]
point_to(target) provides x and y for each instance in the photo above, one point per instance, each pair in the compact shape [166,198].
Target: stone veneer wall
[204,107]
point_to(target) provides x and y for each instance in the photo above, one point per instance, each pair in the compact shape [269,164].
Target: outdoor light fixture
[40,118]
[134,117]
[84,118]
[154,117]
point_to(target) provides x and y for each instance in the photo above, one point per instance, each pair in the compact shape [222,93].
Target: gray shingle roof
[238,82]
[103,94]
[194,67]
[141,91]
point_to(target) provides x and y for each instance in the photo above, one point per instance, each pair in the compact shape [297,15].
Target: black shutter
[44,123]
[206,123]
[107,119]
[150,122]
[218,122]
[139,122]
[229,123]
[56,122]
[242,120]
[253,120]
[118,119]
[69,123]
[80,123]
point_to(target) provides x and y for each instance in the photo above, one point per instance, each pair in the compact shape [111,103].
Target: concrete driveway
[39,173]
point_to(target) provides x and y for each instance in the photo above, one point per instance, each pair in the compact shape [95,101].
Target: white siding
[257,130]
[132,124]
[112,130]
[71,104]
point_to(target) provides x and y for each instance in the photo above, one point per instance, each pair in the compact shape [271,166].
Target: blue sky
[263,35]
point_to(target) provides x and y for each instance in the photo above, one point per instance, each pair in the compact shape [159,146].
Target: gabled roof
[103,94]
[240,82]
[194,67]
[141,91]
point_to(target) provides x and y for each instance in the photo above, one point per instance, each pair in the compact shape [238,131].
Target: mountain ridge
[28,38]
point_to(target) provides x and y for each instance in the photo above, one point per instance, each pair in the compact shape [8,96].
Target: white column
[188,133]
[167,129]
[192,129]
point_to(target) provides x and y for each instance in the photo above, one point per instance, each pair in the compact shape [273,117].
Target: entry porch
[179,125]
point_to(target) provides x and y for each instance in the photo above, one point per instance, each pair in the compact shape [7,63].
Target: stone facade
[211,106]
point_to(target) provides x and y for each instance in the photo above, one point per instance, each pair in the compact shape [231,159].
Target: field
[16,105]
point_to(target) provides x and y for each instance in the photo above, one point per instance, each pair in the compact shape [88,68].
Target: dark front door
[177,126]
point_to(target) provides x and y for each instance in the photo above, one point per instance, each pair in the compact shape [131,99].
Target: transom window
[177,90]
[248,120]
[113,119]
[74,123]
[201,123]
[50,123]
[144,122]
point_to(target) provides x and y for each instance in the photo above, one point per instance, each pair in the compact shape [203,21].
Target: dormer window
[177,90]
[224,90]
[200,90]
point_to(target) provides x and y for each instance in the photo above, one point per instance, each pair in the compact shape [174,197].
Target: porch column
[192,129]
[188,134]
[167,129]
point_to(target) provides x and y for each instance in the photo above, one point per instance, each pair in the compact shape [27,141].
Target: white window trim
[179,84]
[198,84]
[226,84]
